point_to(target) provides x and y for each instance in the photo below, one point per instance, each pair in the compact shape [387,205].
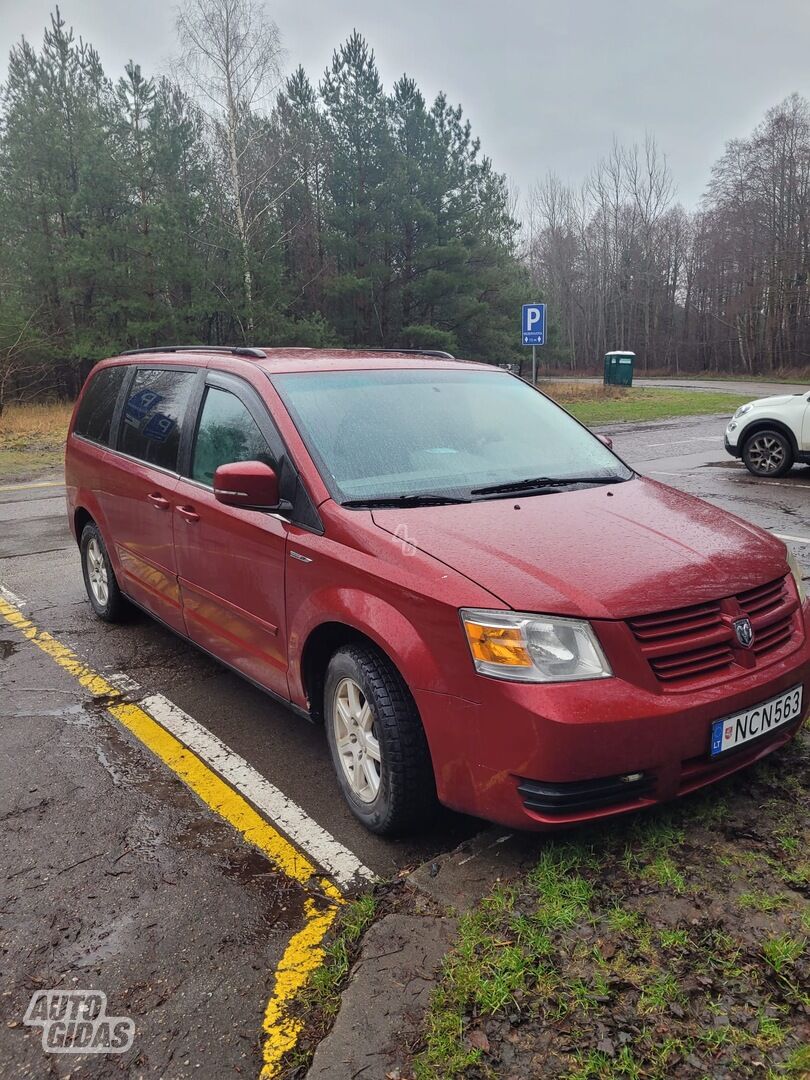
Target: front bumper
[540,757]
[731,448]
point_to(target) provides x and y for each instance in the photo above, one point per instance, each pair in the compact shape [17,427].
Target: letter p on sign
[533,324]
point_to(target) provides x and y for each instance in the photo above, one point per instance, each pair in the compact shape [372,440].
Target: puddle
[116,774]
[117,939]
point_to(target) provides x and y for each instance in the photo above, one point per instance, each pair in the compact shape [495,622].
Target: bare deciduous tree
[232,59]
[725,288]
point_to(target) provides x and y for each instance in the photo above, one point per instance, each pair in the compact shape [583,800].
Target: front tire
[768,453]
[106,599]
[377,742]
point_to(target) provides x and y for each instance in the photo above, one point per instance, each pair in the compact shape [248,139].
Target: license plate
[742,727]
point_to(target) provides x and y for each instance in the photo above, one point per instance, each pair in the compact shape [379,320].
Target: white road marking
[123,683]
[695,438]
[793,539]
[340,863]
[12,598]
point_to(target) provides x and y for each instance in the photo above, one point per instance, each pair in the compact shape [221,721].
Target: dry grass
[36,422]
[32,439]
[567,393]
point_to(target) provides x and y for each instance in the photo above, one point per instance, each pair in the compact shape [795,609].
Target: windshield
[385,434]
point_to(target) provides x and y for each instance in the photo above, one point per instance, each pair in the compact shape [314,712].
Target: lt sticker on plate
[742,727]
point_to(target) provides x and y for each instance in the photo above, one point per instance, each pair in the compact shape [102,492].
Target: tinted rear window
[153,414]
[95,414]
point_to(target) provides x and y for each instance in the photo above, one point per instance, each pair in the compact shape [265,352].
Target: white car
[771,434]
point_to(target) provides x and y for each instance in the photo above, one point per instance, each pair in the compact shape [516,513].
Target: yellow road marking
[37,484]
[303,954]
[305,950]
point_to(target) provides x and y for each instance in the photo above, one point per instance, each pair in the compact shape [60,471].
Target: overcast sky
[545,84]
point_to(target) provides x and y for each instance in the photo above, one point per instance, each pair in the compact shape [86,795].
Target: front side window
[94,418]
[226,433]
[153,414]
[386,433]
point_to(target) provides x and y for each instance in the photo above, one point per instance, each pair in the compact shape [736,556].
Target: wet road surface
[115,878]
[115,874]
[689,454]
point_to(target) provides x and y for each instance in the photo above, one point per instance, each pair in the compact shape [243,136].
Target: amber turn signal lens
[498,645]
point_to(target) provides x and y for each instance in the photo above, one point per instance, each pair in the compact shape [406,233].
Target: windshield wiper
[544,483]
[403,500]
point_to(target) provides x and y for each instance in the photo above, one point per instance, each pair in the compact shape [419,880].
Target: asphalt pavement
[116,875]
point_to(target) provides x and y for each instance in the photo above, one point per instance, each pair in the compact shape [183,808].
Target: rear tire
[106,599]
[768,453]
[378,745]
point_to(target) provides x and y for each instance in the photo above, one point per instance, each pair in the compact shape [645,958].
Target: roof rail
[234,350]
[416,352]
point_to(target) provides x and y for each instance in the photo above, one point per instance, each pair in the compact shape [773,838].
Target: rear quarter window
[94,418]
[153,415]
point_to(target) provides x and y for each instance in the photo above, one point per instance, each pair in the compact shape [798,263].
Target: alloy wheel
[766,454]
[97,573]
[356,740]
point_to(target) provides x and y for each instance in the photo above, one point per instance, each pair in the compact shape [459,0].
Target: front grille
[571,798]
[699,642]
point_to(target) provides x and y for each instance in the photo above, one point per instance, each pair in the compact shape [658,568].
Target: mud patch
[8,648]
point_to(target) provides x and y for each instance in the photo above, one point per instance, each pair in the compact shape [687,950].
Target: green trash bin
[619,366]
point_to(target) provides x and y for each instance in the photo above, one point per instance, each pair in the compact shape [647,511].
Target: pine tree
[359,216]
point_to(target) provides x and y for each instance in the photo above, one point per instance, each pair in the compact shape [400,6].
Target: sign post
[533,331]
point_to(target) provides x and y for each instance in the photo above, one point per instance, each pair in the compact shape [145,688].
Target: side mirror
[251,485]
[606,440]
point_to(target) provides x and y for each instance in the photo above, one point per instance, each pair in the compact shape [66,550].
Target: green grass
[319,1001]
[354,919]
[19,465]
[783,951]
[595,404]
[763,901]
[649,948]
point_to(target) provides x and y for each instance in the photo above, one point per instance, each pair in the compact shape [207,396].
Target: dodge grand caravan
[478,599]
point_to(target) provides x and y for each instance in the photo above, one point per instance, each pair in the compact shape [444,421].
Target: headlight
[743,409]
[533,648]
[796,570]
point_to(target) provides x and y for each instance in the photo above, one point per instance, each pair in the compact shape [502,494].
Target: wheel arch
[81,517]
[321,645]
[764,424]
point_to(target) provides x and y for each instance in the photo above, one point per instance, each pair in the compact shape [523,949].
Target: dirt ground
[672,946]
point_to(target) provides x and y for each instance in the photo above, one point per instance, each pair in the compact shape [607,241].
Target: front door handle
[158,501]
[189,513]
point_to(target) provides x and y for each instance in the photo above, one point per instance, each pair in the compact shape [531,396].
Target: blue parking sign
[533,324]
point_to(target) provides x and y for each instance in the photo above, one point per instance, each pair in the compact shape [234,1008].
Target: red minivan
[478,599]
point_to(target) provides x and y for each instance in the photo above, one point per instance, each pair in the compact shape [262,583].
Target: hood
[775,401]
[602,552]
